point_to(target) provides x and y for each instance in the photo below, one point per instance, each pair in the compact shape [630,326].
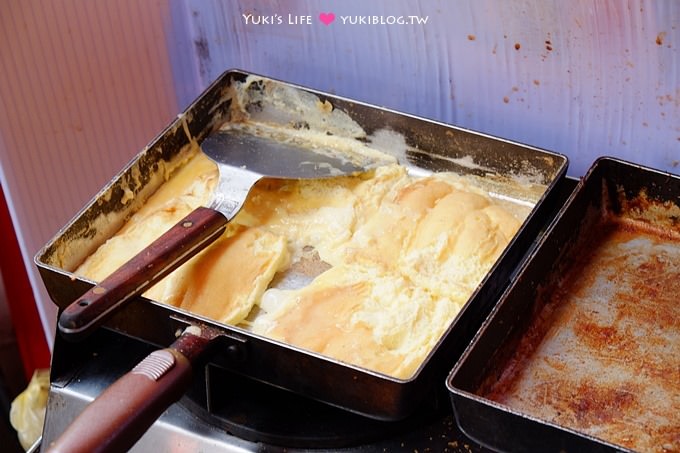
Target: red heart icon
[327,18]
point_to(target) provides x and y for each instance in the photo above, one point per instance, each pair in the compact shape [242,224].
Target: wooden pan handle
[176,246]
[123,412]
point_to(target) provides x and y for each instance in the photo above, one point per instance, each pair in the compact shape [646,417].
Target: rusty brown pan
[429,147]
[581,353]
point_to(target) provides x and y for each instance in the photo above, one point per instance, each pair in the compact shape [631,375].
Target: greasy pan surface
[426,147]
[597,353]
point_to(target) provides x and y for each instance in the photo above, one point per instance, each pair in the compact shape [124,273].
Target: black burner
[261,413]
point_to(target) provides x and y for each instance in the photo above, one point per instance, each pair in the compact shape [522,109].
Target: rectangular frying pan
[581,352]
[429,147]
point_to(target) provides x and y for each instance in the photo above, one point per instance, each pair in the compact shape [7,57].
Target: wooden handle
[184,240]
[123,412]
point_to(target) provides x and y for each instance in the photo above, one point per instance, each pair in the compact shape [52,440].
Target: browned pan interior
[602,355]
[595,347]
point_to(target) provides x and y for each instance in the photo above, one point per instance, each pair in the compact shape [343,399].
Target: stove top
[239,414]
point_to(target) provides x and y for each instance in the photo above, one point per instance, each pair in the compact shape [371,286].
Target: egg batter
[399,256]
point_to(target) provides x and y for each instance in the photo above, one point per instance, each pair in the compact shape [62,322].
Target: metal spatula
[242,159]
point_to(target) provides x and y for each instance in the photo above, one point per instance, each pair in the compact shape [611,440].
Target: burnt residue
[600,353]
[660,217]
[592,404]
[302,125]
[255,90]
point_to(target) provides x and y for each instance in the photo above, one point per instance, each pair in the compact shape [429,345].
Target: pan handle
[176,246]
[118,417]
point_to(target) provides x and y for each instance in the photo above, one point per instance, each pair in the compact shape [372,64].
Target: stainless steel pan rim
[357,389]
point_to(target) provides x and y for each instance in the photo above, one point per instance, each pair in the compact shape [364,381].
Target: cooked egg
[399,256]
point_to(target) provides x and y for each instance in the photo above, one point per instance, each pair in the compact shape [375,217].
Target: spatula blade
[276,158]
